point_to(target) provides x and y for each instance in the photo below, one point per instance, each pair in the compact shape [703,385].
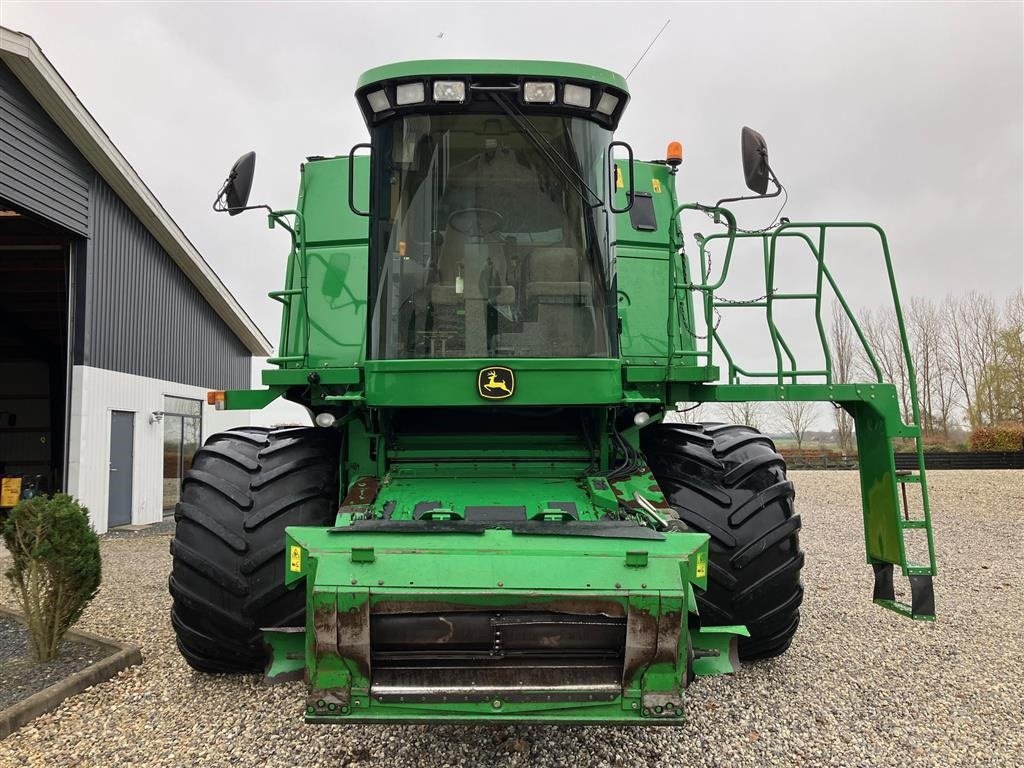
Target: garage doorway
[36,278]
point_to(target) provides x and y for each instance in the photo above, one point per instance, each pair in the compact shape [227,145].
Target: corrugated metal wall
[40,169]
[135,310]
[143,316]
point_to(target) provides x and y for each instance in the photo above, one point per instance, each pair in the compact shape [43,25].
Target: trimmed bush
[56,569]
[1003,437]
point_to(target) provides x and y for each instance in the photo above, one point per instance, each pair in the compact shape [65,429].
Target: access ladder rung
[914,524]
[908,478]
[905,610]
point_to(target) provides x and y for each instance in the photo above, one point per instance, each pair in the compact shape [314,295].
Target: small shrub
[1002,437]
[56,569]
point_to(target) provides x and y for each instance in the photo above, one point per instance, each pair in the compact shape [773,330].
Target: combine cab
[488,316]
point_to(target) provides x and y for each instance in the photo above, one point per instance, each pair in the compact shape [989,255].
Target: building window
[183,430]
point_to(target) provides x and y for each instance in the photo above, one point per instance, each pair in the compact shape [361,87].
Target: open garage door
[35,285]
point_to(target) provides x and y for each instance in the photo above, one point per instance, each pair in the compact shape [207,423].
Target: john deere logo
[496,382]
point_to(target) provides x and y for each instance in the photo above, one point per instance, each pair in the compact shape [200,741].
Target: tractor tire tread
[727,480]
[227,576]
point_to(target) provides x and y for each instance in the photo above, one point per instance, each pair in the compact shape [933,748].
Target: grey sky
[909,115]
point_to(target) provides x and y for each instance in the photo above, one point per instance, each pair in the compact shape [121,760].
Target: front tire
[728,481]
[227,578]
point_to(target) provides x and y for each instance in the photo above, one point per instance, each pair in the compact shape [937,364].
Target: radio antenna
[642,55]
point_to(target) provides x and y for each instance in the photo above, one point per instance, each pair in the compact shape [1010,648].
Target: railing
[786,369]
[298,254]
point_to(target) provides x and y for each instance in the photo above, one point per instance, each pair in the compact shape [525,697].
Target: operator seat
[561,299]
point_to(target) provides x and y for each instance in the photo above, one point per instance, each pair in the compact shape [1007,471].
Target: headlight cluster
[531,92]
[573,95]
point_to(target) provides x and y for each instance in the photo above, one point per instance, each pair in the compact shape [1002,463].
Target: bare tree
[999,391]
[927,334]
[883,336]
[750,413]
[957,354]
[798,415]
[943,384]
[841,342]
[976,348]
[1012,342]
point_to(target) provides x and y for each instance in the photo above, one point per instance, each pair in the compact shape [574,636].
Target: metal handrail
[298,251]
[823,274]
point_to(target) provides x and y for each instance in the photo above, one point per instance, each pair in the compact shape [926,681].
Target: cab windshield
[490,238]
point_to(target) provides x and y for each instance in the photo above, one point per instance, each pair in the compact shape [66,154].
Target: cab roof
[509,67]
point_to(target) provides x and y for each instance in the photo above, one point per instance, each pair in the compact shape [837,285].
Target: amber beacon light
[674,154]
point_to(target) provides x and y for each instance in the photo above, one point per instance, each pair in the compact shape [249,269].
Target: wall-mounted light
[156,417]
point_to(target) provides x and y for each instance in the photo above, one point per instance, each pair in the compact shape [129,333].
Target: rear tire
[728,481]
[227,578]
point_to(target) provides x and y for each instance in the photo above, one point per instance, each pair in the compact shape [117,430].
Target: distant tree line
[968,355]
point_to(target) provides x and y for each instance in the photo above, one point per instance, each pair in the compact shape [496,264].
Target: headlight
[539,93]
[449,90]
[607,104]
[576,96]
[378,101]
[409,93]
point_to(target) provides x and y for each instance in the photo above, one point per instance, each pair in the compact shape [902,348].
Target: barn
[112,325]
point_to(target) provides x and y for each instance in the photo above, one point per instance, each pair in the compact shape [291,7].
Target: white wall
[96,392]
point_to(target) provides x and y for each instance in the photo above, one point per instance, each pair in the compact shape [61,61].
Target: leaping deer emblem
[494,385]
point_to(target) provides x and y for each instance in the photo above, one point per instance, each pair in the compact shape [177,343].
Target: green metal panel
[453,382]
[655,317]
[337,316]
[351,575]
[323,200]
[656,179]
[882,535]
[478,561]
[412,69]
[642,264]
[324,312]
[293,376]
[465,490]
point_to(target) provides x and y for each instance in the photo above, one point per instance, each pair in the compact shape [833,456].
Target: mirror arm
[220,206]
[776,193]
[224,209]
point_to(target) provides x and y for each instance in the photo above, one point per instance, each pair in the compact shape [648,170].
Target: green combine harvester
[488,316]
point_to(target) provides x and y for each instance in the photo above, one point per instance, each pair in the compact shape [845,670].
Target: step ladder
[922,595]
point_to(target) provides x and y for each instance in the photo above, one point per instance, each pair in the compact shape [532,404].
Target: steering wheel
[475,221]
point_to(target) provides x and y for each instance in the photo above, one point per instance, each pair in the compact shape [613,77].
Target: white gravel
[860,686]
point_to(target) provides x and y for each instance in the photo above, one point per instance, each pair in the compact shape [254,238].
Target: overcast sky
[910,115]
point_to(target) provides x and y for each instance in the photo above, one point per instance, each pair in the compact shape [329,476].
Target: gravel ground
[20,677]
[860,686]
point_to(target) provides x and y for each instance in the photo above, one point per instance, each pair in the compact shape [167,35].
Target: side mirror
[238,184]
[755,160]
